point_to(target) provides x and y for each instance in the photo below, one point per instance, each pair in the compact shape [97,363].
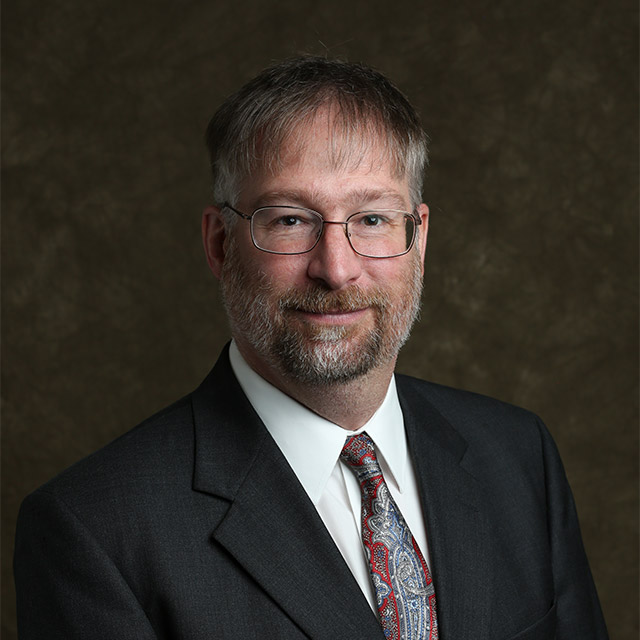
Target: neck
[347,404]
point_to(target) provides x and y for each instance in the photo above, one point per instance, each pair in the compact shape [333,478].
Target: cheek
[283,270]
[392,272]
[403,281]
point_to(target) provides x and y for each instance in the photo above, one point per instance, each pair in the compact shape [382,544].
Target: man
[303,490]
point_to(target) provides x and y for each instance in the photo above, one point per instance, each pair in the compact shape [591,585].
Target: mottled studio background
[110,313]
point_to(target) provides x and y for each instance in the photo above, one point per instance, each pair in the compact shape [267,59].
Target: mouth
[326,309]
[331,317]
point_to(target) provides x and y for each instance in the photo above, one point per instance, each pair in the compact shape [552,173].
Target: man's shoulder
[498,441]
[158,456]
[453,401]
[152,453]
[477,418]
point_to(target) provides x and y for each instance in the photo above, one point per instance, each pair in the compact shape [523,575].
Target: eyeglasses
[378,233]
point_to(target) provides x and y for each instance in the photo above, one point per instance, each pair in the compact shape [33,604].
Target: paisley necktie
[402,581]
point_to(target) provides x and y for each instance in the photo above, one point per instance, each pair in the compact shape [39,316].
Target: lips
[330,312]
[322,301]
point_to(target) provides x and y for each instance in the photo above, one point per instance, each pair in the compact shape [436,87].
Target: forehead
[345,143]
[319,157]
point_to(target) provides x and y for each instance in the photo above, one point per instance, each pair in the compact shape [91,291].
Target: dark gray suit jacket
[193,526]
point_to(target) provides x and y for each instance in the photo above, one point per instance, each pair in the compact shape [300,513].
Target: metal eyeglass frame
[416,220]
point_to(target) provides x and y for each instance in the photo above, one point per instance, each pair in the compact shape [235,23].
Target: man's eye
[288,221]
[373,220]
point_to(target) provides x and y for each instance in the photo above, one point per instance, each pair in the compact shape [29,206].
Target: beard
[265,318]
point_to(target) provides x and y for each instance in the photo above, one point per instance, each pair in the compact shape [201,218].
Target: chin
[328,359]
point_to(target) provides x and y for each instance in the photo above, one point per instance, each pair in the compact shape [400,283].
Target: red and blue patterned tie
[404,589]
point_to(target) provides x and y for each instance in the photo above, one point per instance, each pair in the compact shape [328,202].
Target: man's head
[337,139]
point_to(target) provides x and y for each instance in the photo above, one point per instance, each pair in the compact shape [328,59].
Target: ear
[214,235]
[423,230]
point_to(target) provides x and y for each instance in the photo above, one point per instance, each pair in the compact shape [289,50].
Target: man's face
[327,316]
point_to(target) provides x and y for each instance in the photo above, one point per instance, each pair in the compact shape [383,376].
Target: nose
[332,261]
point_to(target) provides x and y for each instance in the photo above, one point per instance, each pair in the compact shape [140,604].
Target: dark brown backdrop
[531,287]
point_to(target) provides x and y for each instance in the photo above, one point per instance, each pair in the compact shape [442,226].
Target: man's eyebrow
[356,199]
[363,197]
[286,196]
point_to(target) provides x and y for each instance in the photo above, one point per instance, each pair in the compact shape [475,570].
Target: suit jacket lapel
[271,527]
[456,527]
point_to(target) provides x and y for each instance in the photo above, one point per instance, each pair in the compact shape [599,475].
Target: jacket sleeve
[578,610]
[66,584]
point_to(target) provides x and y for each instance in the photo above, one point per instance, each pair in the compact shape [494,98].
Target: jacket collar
[271,527]
[456,525]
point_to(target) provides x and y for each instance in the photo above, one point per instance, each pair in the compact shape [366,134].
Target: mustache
[320,300]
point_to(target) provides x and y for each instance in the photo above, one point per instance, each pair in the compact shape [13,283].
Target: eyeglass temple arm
[226,205]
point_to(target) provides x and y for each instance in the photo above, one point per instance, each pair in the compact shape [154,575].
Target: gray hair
[247,132]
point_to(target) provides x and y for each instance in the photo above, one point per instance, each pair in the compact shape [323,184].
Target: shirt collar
[312,444]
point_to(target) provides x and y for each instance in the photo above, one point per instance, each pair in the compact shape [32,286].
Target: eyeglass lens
[377,234]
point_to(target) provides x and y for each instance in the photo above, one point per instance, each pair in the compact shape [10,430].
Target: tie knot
[358,452]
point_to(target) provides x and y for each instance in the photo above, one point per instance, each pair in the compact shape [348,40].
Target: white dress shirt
[312,446]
